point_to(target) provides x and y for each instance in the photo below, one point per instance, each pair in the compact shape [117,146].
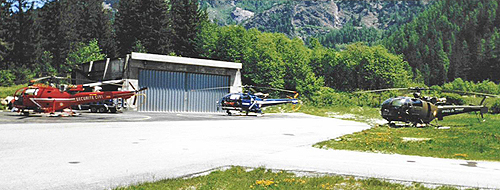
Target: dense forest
[452,39]
[448,40]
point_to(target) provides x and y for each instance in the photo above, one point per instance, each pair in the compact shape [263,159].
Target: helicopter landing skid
[416,125]
[404,124]
[53,114]
[64,114]
[243,113]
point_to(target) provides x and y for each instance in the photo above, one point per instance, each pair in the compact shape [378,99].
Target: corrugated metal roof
[184,60]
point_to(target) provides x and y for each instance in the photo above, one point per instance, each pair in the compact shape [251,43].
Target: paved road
[100,155]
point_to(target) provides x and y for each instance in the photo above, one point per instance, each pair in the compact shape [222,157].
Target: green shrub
[454,99]
[6,78]
[485,86]
[495,108]
[330,97]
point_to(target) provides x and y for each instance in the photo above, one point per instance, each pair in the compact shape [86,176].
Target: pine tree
[186,19]
[142,21]
[154,24]
[4,26]
[22,39]
[127,25]
[94,23]
[51,36]
[63,24]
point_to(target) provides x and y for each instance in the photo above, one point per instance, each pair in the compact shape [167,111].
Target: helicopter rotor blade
[382,90]
[48,77]
[132,86]
[136,94]
[277,89]
[472,93]
[251,89]
[111,82]
[142,89]
[38,79]
[213,88]
[422,88]
[135,100]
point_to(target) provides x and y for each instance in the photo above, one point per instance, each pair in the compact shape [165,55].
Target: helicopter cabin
[175,84]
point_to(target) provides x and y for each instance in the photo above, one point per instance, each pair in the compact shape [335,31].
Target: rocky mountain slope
[306,18]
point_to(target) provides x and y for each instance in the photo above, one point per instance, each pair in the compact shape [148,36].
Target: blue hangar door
[180,92]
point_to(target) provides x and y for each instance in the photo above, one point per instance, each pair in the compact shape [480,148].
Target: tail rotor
[137,92]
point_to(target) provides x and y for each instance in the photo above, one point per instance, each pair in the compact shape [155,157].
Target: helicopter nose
[385,112]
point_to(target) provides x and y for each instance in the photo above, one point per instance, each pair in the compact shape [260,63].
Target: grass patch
[260,178]
[8,91]
[466,139]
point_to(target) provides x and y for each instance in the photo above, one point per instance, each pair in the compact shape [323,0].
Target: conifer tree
[4,26]
[127,25]
[22,39]
[154,36]
[63,24]
[143,21]
[186,20]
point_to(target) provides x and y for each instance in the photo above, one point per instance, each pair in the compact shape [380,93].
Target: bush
[495,108]
[454,99]
[6,78]
[364,67]
[485,86]
[328,97]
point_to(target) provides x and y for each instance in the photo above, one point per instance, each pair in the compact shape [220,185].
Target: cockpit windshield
[398,102]
[234,97]
[387,102]
[31,91]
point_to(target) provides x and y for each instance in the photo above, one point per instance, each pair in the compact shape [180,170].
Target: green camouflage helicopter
[422,110]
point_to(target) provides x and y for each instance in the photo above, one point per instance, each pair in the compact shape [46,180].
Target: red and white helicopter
[49,98]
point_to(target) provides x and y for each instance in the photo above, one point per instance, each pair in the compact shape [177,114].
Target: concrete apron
[107,155]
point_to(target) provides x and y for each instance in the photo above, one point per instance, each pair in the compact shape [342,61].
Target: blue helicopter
[253,101]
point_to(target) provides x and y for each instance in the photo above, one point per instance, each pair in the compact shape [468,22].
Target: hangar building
[175,84]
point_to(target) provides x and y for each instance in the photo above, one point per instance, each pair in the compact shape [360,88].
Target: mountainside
[311,18]
[452,39]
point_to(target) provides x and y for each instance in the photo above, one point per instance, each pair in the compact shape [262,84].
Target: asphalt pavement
[91,154]
[7,117]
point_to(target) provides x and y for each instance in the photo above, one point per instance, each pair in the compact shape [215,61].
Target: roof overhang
[184,60]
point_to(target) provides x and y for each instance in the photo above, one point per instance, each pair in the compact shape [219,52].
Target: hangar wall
[176,84]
